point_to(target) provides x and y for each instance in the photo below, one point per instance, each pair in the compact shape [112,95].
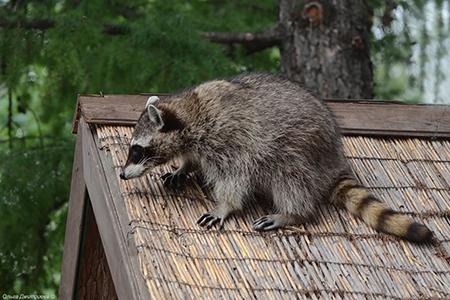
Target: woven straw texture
[337,256]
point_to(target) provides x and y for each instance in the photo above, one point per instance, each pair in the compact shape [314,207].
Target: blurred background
[52,50]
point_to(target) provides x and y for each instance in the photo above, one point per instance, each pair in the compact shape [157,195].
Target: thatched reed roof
[337,256]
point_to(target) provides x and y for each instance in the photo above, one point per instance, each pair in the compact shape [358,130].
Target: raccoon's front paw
[175,180]
[210,218]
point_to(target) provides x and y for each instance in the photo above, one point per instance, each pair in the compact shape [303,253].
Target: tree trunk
[326,46]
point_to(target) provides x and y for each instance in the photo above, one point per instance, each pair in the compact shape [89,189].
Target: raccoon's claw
[266,223]
[209,219]
[174,180]
[164,177]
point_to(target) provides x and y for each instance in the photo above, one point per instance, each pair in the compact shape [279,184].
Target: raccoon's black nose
[122,175]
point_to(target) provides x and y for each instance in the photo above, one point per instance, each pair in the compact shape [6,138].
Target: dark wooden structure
[106,256]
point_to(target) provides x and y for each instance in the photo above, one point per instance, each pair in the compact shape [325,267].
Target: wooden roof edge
[111,217]
[363,117]
[76,116]
[74,224]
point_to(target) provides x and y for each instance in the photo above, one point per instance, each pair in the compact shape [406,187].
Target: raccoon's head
[155,140]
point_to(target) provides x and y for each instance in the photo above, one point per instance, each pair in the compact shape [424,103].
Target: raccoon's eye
[136,154]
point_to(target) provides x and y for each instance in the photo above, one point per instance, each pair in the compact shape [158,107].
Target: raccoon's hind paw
[271,222]
[175,180]
[265,223]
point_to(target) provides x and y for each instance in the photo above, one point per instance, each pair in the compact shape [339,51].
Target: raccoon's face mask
[153,139]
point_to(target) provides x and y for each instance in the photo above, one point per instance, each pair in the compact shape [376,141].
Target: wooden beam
[354,117]
[112,220]
[73,225]
[382,118]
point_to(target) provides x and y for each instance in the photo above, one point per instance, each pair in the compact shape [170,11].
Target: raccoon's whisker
[142,161]
[146,160]
[154,157]
[150,159]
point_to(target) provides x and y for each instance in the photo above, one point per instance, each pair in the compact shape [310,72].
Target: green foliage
[33,185]
[43,71]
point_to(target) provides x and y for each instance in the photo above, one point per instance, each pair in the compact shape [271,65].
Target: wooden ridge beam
[354,117]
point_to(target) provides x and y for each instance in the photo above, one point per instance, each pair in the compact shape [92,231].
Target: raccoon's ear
[155,116]
[151,100]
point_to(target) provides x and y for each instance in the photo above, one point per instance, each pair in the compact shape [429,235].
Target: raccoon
[258,134]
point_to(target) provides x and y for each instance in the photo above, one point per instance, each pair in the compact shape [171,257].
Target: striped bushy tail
[360,202]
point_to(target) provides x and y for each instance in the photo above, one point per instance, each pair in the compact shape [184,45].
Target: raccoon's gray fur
[259,133]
